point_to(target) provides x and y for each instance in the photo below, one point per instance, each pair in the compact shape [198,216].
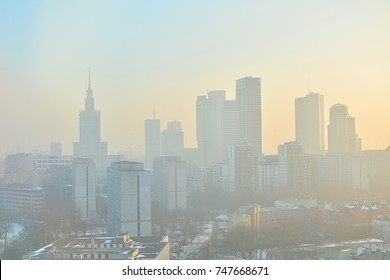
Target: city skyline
[340,47]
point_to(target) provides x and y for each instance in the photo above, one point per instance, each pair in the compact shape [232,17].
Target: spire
[89,78]
[89,102]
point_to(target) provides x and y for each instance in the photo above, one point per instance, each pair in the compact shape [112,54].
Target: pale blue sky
[162,54]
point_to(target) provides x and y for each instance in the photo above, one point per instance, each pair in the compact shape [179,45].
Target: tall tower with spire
[90,145]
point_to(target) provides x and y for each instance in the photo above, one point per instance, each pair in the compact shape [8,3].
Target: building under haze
[170,183]
[309,123]
[209,126]
[90,145]
[294,171]
[55,149]
[248,95]
[19,169]
[342,136]
[172,139]
[242,169]
[268,173]
[129,199]
[152,141]
[84,188]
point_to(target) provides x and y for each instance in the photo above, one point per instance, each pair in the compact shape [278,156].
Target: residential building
[242,169]
[84,188]
[129,199]
[170,182]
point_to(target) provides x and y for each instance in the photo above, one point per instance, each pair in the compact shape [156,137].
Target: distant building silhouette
[342,136]
[172,139]
[309,123]
[170,182]
[90,145]
[294,172]
[242,169]
[209,127]
[152,141]
[248,95]
[55,149]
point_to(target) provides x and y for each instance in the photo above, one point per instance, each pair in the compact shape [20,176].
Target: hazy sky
[163,54]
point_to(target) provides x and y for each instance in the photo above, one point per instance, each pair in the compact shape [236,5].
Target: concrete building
[230,125]
[41,163]
[172,139]
[118,247]
[196,183]
[55,149]
[152,141]
[90,145]
[294,173]
[23,199]
[248,95]
[19,169]
[84,188]
[170,183]
[268,173]
[209,121]
[243,169]
[129,199]
[58,187]
[342,136]
[309,123]
[381,228]
[364,170]
[247,216]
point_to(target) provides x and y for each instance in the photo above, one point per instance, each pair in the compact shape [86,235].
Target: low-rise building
[381,228]
[119,247]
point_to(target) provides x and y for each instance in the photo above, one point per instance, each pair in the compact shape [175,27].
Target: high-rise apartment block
[294,172]
[242,169]
[84,188]
[309,123]
[129,199]
[170,182]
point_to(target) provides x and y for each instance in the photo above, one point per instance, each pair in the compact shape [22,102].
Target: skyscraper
[309,123]
[342,136]
[230,125]
[128,199]
[84,188]
[152,141]
[209,120]
[90,145]
[248,95]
